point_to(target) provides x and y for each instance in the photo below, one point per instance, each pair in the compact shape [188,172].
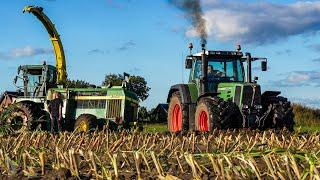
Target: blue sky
[150,38]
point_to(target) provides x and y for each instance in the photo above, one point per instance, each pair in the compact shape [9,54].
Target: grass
[155,127]
[308,129]
[307,119]
[306,115]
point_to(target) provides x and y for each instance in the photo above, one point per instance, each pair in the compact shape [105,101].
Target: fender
[184,92]
[268,94]
[207,95]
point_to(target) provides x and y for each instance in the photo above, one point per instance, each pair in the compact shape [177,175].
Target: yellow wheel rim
[83,127]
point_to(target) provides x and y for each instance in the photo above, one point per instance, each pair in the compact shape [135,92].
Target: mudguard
[208,95]
[184,92]
[269,94]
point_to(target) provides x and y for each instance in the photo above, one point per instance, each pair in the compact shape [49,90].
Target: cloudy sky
[150,38]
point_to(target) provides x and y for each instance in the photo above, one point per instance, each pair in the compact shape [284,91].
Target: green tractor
[220,94]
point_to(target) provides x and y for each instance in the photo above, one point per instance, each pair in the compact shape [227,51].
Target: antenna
[182,71]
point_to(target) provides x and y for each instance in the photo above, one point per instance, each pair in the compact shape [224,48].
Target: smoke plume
[194,13]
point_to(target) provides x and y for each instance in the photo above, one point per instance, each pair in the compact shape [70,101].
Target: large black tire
[85,123]
[25,115]
[178,114]
[281,115]
[214,113]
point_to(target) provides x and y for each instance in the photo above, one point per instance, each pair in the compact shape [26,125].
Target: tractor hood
[243,94]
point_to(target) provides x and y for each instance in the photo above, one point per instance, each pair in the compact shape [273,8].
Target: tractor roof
[37,66]
[221,54]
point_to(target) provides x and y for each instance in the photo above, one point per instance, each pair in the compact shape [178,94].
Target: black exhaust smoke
[194,13]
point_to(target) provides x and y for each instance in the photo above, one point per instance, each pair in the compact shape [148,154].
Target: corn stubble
[131,155]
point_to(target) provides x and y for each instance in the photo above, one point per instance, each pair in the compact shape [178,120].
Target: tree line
[137,84]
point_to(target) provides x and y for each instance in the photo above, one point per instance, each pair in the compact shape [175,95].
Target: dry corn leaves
[131,155]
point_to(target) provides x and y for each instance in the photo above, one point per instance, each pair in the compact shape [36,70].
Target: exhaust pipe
[204,79]
[249,73]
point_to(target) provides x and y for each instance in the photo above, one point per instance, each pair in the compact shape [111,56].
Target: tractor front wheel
[178,114]
[85,123]
[213,112]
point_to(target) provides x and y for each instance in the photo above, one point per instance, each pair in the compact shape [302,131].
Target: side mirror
[188,63]
[19,69]
[264,66]
[15,80]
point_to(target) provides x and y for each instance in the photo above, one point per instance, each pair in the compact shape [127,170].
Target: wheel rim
[83,127]
[203,121]
[18,121]
[176,118]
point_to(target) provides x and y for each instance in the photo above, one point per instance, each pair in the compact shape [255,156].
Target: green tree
[78,84]
[143,114]
[137,84]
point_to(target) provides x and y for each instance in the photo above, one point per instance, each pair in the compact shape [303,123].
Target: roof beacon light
[238,47]
[190,47]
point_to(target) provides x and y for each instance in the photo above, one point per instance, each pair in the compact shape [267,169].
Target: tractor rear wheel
[24,115]
[281,115]
[213,112]
[178,114]
[85,123]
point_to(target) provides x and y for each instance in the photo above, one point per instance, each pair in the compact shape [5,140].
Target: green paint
[193,89]
[227,90]
[72,96]
[99,113]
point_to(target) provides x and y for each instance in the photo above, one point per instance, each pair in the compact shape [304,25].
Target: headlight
[245,106]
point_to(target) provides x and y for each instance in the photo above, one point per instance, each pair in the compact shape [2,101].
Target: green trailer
[86,108]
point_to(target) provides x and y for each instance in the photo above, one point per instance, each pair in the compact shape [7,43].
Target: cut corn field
[133,155]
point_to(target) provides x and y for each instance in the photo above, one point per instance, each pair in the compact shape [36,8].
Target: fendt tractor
[221,95]
[83,108]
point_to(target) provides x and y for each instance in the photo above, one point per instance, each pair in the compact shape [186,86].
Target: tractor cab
[35,80]
[227,73]
[221,68]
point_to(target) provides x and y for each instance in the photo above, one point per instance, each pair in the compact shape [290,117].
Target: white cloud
[26,51]
[300,78]
[258,23]
[311,101]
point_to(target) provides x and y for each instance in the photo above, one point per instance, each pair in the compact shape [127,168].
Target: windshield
[34,79]
[222,70]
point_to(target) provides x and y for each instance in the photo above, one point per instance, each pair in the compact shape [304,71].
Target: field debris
[122,155]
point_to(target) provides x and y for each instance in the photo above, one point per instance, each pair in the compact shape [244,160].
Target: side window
[197,70]
[50,76]
[240,71]
[230,70]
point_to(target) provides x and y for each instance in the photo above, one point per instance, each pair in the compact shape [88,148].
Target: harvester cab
[34,80]
[222,94]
